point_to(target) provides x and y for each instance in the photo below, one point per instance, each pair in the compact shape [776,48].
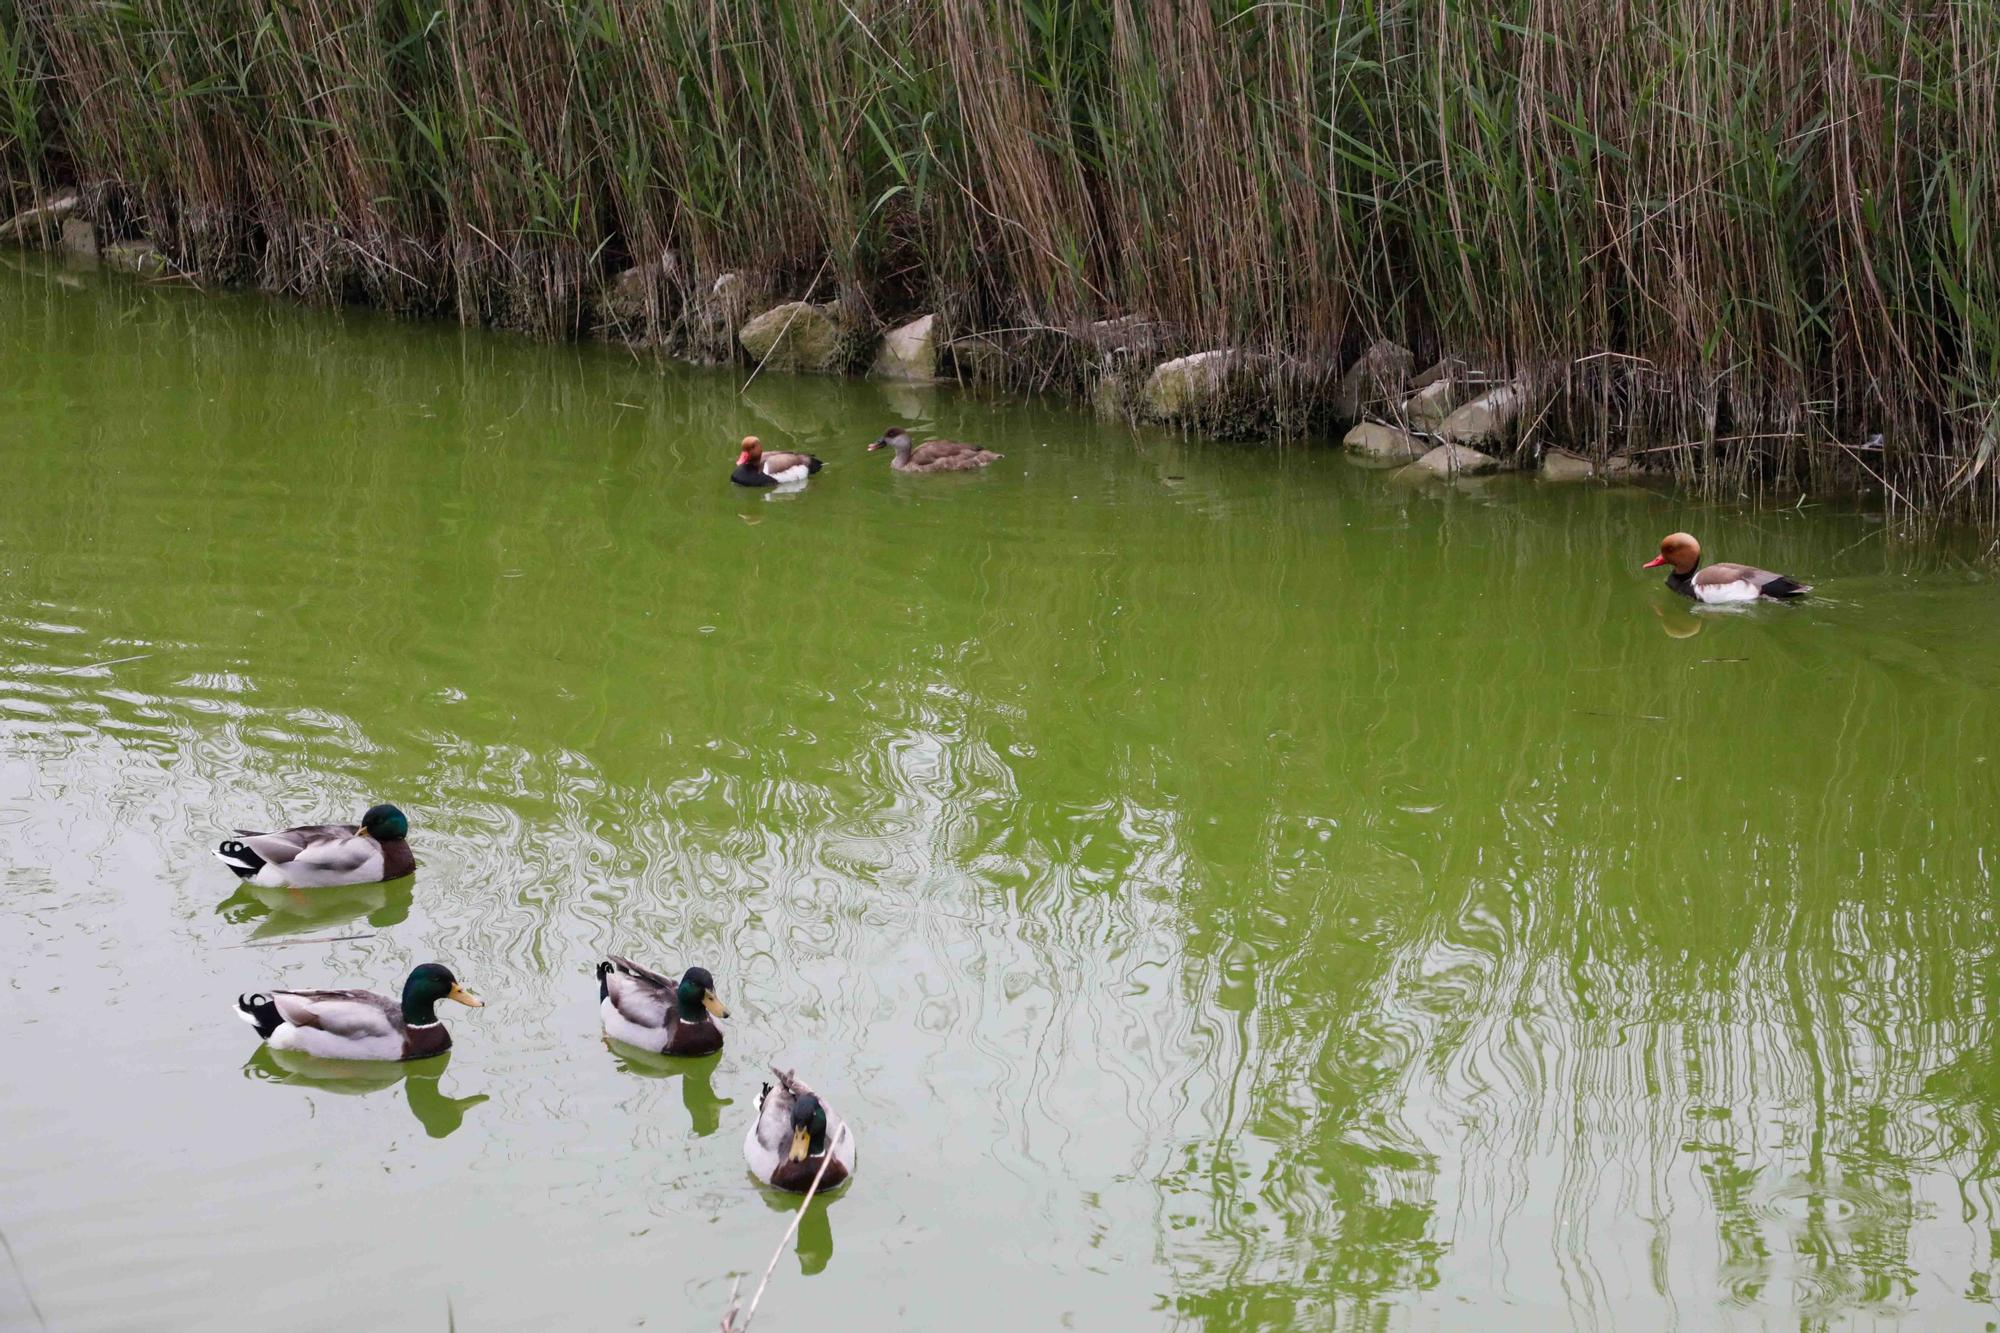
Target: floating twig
[729,1324]
[1630,717]
[69,671]
[321,939]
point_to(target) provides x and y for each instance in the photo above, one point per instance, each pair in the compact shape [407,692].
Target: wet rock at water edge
[140,257]
[1372,439]
[1455,460]
[1186,387]
[41,224]
[1427,408]
[1486,419]
[1562,465]
[79,239]
[793,336]
[628,297]
[1376,377]
[909,352]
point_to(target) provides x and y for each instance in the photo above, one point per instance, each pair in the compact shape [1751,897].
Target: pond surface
[1223,888]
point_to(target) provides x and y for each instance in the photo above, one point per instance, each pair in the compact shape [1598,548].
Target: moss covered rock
[1375,440]
[793,336]
[909,352]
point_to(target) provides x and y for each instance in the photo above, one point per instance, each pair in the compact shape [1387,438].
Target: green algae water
[1224,889]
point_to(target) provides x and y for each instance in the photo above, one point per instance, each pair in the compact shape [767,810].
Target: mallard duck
[1718,583]
[359,1024]
[754,467]
[792,1133]
[932,455]
[318,856]
[644,1009]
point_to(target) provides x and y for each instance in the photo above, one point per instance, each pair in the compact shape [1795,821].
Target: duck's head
[753,449]
[1677,549]
[893,438]
[696,993]
[385,823]
[428,984]
[808,1127]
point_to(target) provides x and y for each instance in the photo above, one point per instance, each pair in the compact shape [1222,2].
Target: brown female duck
[933,455]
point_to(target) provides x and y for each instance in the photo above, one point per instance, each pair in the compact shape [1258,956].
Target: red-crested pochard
[754,467]
[1718,583]
[932,456]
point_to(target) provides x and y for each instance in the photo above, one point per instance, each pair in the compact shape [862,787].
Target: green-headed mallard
[644,1009]
[792,1133]
[317,856]
[359,1024]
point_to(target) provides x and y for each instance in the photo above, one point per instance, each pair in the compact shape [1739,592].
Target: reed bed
[1750,238]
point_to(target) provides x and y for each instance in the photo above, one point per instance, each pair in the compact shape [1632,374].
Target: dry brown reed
[1752,237]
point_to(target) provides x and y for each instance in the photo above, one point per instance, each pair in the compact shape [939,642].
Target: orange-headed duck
[1718,583]
[933,456]
[754,467]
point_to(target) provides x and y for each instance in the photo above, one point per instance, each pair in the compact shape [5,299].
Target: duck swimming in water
[641,1008]
[932,455]
[1722,582]
[754,467]
[793,1133]
[359,1024]
[318,856]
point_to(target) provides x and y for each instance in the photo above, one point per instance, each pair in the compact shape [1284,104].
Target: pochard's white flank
[1722,582]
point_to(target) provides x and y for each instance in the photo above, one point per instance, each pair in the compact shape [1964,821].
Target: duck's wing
[339,857]
[937,451]
[287,844]
[351,1014]
[640,994]
[776,463]
[1763,581]
[774,1112]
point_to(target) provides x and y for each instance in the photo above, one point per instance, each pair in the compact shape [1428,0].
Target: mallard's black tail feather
[258,1011]
[239,858]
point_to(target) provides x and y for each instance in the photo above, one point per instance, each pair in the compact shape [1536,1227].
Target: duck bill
[743,458]
[465,997]
[873,445]
[1655,562]
[801,1145]
[713,1005]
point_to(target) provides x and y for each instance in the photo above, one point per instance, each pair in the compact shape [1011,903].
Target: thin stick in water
[797,1217]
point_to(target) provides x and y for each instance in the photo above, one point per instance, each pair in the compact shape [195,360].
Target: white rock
[909,352]
[1179,388]
[1484,420]
[1379,441]
[1429,406]
[1455,460]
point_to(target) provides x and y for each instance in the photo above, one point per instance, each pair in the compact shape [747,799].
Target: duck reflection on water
[439,1114]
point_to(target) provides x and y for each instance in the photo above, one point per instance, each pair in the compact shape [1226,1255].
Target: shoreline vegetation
[1756,249]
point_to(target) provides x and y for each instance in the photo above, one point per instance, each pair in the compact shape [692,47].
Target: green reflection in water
[1224,888]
